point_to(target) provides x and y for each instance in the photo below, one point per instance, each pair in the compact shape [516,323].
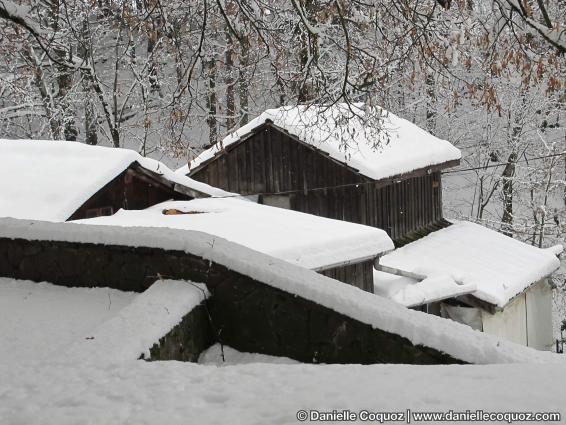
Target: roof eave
[345,263]
[176,187]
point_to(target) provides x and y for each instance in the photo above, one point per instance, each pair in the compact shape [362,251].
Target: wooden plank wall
[359,275]
[403,207]
[271,161]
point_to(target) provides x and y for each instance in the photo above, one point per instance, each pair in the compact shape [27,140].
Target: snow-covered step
[166,322]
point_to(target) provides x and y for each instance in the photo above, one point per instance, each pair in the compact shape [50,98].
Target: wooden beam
[397,272]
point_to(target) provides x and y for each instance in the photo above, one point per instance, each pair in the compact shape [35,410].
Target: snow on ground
[37,386]
[304,239]
[134,329]
[37,319]
[348,135]
[447,336]
[41,320]
[227,356]
[499,266]
[137,392]
[54,178]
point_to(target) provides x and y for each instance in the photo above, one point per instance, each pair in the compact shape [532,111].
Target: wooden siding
[271,161]
[359,275]
[131,190]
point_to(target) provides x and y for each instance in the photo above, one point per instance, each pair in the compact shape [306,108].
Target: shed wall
[359,275]
[527,320]
[510,324]
[539,316]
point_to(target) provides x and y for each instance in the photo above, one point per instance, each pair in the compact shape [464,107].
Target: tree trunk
[91,121]
[44,92]
[243,82]
[230,95]
[212,102]
[507,177]
[152,37]
[430,101]
[64,79]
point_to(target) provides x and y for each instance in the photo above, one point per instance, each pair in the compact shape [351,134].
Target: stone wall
[257,318]
[90,265]
[187,340]
[246,314]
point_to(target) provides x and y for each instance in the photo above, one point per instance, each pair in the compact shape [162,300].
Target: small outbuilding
[59,180]
[476,276]
[341,250]
[346,162]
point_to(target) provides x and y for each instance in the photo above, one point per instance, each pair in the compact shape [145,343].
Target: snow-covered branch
[552,33]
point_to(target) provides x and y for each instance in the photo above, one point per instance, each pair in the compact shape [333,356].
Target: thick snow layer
[38,319]
[410,293]
[500,267]
[351,136]
[556,249]
[50,180]
[422,329]
[176,393]
[134,330]
[227,356]
[304,239]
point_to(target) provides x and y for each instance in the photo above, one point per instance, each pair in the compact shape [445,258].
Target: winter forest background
[167,78]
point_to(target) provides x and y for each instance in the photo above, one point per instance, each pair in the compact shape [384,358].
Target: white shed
[479,277]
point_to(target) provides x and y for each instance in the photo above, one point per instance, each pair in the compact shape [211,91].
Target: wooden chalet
[60,181]
[134,188]
[389,176]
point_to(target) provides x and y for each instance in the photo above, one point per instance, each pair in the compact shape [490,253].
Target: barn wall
[403,206]
[129,190]
[271,162]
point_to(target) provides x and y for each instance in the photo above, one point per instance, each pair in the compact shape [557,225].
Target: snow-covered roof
[50,180]
[377,144]
[410,292]
[304,239]
[500,267]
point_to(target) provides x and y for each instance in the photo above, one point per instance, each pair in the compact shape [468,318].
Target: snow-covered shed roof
[500,267]
[377,144]
[304,239]
[49,180]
